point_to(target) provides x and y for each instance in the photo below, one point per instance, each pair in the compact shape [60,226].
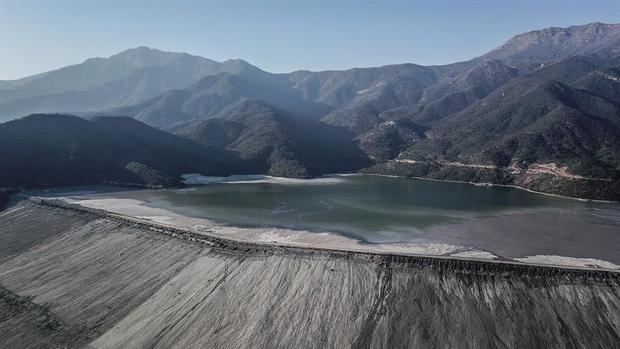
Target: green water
[505,221]
[369,208]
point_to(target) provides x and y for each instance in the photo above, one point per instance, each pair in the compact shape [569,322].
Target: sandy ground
[327,240]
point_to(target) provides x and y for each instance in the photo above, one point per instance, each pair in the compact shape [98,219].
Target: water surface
[505,221]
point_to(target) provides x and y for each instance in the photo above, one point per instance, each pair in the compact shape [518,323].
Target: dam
[78,277]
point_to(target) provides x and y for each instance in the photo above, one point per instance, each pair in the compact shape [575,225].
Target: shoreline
[266,178]
[333,243]
[480,184]
[257,178]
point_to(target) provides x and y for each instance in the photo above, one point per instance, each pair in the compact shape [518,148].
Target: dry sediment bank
[73,277]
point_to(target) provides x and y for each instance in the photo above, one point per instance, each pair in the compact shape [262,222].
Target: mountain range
[541,111]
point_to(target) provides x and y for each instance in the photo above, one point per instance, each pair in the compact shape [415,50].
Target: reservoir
[506,222]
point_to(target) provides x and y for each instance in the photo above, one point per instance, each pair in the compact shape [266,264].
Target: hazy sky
[278,36]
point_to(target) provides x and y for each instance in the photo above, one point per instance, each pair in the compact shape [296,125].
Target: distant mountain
[422,97]
[211,95]
[534,108]
[439,91]
[456,93]
[564,115]
[540,111]
[391,87]
[339,88]
[275,142]
[356,98]
[127,78]
[46,150]
[531,49]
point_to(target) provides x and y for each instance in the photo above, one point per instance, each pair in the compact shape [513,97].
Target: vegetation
[272,141]
[546,97]
[47,150]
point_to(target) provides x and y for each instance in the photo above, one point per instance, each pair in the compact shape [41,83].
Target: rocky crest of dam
[72,277]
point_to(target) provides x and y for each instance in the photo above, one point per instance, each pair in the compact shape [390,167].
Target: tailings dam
[73,277]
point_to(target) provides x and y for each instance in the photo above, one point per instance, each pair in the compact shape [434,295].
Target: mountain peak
[143,56]
[236,60]
[142,49]
[556,43]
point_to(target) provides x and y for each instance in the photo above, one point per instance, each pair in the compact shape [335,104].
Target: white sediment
[138,209]
[568,261]
[474,254]
[304,238]
[197,179]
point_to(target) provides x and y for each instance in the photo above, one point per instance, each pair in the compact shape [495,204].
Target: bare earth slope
[73,278]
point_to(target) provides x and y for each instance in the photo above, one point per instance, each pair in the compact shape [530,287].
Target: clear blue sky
[278,36]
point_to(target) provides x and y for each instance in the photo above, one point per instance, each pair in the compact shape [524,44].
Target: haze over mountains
[541,111]
[127,78]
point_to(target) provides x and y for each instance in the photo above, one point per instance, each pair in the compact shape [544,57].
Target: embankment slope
[73,278]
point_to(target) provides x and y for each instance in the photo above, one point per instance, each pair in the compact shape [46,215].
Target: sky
[278,36]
